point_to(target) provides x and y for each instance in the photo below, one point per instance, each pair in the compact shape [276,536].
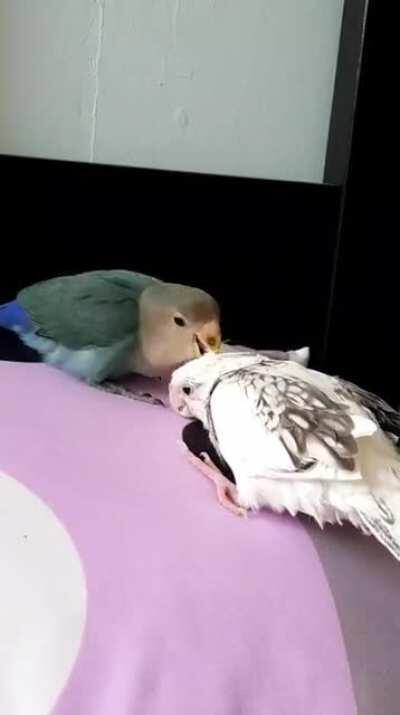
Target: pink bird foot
[226,491]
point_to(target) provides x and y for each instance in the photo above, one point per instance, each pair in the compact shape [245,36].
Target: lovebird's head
[177,323]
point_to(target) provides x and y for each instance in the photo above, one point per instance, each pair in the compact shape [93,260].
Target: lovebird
[295,440]
[102,325]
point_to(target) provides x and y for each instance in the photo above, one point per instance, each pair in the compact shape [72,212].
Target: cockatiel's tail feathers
[379,520]
[375,507]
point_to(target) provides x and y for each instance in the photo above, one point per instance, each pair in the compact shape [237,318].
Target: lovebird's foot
[117,389]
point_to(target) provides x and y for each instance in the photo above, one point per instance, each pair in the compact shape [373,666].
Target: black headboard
[263,248]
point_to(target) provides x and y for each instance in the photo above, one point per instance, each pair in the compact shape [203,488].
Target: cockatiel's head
[177,323]
[191,384]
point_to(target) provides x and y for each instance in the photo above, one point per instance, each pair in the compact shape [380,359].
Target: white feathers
[296,440]
[302,356]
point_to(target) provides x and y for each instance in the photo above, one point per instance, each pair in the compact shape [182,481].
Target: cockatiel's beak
[208,338]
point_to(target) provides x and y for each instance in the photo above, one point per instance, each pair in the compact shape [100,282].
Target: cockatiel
[296,440]
[103,325]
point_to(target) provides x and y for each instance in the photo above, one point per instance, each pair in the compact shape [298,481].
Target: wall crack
[96,74]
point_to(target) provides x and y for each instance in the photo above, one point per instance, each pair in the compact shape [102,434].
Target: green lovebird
[102,325]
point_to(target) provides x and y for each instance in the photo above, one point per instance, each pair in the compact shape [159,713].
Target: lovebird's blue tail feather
[13,317]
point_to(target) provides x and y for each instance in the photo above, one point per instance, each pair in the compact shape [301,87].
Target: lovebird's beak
[208,338]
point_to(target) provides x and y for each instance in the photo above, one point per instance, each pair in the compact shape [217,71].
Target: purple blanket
[136,593]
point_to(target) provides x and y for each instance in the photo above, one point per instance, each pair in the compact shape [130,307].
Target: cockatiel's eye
[187,390]
[179,321]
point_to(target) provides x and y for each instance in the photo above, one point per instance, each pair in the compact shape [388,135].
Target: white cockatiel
[296,440]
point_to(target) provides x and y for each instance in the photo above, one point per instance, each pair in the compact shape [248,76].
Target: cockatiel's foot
[226,491]
[116,389]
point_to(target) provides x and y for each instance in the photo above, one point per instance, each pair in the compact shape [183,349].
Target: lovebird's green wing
[96,309]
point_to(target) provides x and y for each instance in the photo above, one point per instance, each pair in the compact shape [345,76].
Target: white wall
[240,87]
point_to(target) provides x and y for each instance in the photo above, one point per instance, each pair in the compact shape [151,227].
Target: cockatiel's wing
[99,308]
[295,428]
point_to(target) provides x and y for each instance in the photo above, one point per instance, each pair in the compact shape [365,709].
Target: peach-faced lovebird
[102,325]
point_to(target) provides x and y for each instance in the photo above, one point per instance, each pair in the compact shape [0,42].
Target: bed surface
[127,589]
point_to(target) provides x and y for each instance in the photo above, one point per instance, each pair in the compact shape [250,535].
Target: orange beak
[208,338]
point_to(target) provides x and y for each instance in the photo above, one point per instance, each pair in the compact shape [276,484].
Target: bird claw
[116,389]
[226,491]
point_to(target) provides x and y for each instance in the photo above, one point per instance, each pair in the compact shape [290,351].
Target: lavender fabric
[190,609]
[365,583]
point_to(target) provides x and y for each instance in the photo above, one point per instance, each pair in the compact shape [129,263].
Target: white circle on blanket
[43,601]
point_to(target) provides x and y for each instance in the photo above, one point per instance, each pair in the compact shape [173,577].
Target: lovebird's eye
[179,321]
